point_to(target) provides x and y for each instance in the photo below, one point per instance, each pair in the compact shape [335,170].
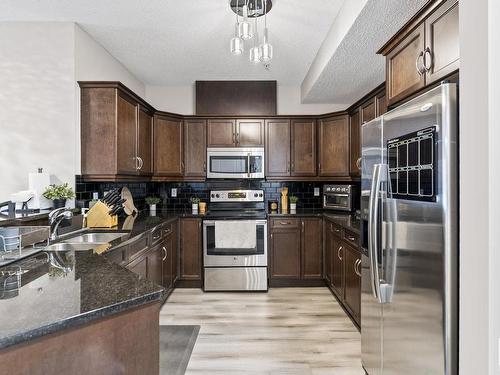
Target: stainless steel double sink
[85,241]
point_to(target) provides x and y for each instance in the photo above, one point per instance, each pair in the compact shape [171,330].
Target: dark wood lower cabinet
[352,287]
[343,269]
[169,260]
[191,251]
[296,253]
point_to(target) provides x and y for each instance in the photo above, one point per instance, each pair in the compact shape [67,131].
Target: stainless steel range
[235,241]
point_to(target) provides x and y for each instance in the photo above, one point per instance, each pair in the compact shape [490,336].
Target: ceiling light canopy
[244,30]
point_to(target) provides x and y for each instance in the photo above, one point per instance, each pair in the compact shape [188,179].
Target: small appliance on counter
[340,197]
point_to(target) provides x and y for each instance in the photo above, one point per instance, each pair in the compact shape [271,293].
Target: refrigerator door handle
[373,230]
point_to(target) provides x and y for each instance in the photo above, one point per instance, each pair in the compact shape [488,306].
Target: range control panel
[237,196]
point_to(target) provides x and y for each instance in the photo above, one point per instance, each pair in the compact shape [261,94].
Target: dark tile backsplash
[185,190]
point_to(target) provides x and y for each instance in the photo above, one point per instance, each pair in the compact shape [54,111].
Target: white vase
[293,206]
[152,209]
[194,207]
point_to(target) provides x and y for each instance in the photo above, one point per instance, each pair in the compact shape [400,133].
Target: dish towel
[235,234]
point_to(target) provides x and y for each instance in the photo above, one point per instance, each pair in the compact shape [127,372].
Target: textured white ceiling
[354,67]
[175,42]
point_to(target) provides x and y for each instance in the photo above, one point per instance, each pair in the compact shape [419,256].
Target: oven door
[235,163]
[337,201]
[244,256]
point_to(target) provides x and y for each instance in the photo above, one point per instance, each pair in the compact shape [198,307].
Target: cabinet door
[355,151]
[277,148]
[368,111]
[327,246]
[221,133]
[250,133]
[126,135]
[352,281]
[167,266]
[191,249]
[139,266]
[338,266]
[168,156]
[381,104]
[403,78]
[195,148]
[334,146]
[442,42]
[144,142]
[285,254]
[303,143]
[155,265]
[312,254]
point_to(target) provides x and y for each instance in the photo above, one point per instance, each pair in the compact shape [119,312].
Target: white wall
[94,63]
[479,187]
[181,99]
[37,119]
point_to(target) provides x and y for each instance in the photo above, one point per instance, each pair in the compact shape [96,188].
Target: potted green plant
[293,202]
[152,202]
[59,194]
[194,204]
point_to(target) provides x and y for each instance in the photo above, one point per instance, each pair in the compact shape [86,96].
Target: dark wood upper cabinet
[352,287]
[221,133]
[168,155]
[334,146]
[355,150]
[250,133]
[277,149]
[381,100]
[195,148]
[144,141]
[368,111]
[312,254]
[285,251]
[404,66]
[190,249]
[126,135]
[424,51]
[115,133]
[442,52]
[303,147]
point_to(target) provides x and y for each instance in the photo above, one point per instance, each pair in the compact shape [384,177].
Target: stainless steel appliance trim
[372,231]
[259,260]
[236,151]
[235,279]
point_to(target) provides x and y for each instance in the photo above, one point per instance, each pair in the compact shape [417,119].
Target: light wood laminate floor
[287,331]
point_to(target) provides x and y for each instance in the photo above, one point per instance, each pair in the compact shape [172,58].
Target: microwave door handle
[372,231]
[248,164]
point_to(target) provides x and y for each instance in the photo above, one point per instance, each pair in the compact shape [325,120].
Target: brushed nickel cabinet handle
[357,263]
[358,163]
[285,223]
[350,238]
[165,251]
[338,252]
[204,166]
[136,160]
[427,52]
[303,227]
[418,65]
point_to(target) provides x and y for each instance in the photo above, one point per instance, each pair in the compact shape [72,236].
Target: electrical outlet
[173,193]
[316,191]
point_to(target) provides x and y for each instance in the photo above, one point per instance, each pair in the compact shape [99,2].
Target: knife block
[98,216]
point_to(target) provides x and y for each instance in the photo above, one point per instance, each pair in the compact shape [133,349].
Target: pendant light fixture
[237,45]
[266,49]
[255,50]
[245,27]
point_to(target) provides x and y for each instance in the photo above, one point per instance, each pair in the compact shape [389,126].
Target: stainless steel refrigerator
[409,209]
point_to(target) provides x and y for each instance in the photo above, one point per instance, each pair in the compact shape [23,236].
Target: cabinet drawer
[157,235]
[137,247]
[285,223]
[351,238]
[168,229]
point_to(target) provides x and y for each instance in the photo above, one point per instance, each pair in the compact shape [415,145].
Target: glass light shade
[237,46]
[266,49]
[255,55]
[245,30]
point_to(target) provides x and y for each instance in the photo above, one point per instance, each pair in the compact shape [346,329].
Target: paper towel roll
[38,182]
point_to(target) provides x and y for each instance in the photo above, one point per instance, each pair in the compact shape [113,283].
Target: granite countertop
[345,220]
[51,291]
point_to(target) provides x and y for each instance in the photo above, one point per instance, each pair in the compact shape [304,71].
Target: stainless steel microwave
[235,162]
[339,197]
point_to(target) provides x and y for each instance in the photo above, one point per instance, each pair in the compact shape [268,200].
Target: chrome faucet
[56,217]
